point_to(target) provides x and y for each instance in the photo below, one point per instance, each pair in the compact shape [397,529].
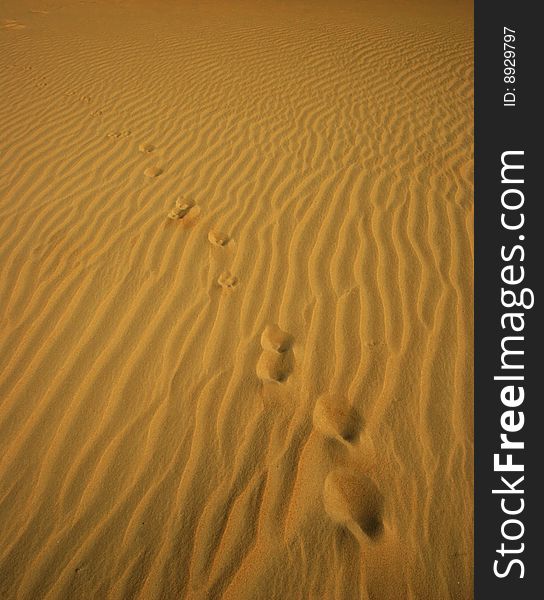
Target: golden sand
[268,395]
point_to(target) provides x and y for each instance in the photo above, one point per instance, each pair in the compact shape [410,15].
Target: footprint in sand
[274,338]
[276,360]
[227,281]
[153,172]
[10,24]
[336,419]
[119,134]
[146,148]
[352,499]
[274,366]
[218,238]
[185,210]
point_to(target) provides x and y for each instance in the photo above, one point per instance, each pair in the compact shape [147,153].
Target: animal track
[276,360]
[227,281]
[334,418]
[153,172]
[353,500]
[185,210]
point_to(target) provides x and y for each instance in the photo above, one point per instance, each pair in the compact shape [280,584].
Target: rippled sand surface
[236,300]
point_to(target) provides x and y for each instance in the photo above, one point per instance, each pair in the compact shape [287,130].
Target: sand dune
[267,395]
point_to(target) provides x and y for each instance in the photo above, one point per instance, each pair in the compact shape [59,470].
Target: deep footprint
[275,339]
[335,418]
[273,366]
[352,499]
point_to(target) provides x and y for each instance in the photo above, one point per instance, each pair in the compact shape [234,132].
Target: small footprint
[185,210]
[146,148]
[218,238]
[353,500]
[153,172]
[274,366]
[227,281]
[335,418]
[10,24]
[119,134]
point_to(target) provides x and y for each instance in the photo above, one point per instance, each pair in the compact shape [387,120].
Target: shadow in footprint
[274,366]
[352,499]
[335,418]
[275,339]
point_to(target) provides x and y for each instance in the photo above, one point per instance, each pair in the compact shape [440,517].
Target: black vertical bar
[507,120]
